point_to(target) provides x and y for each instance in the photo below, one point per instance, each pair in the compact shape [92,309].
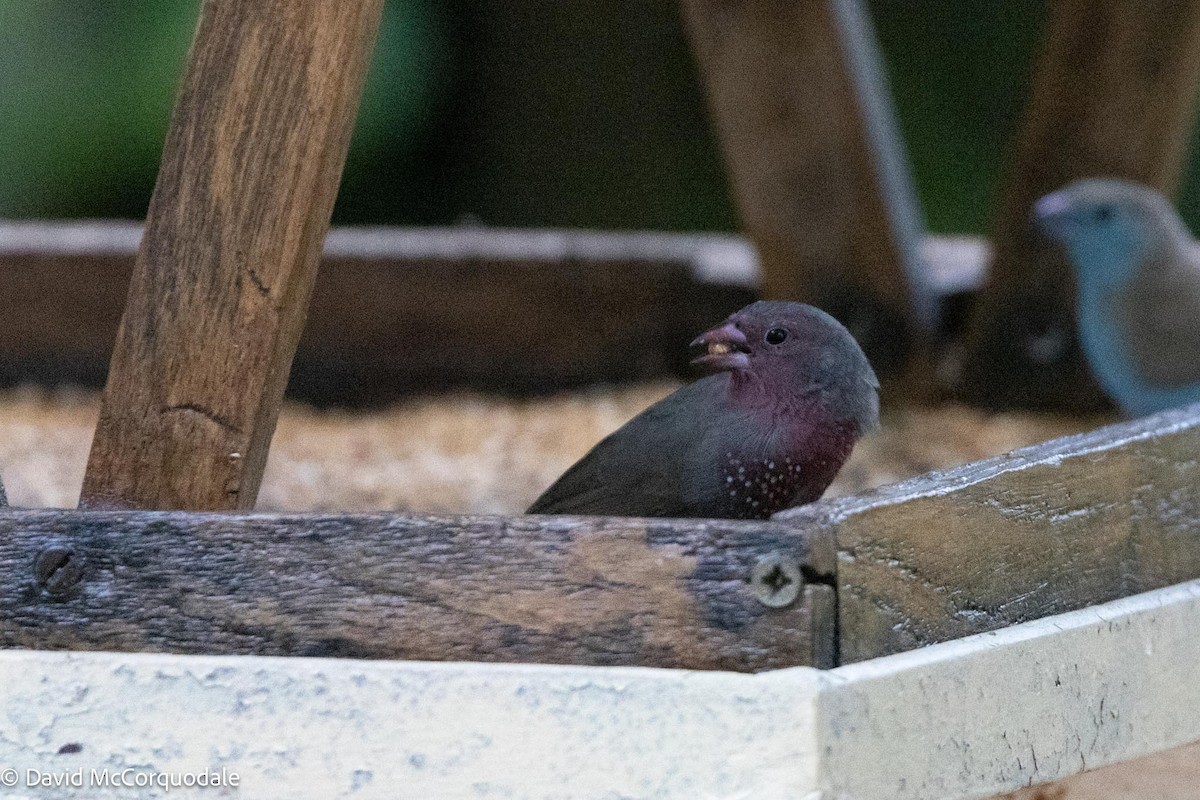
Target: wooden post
[816,163]
[1113,94]
[223,276]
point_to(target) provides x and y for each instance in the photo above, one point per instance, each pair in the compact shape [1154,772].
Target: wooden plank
[816,163]
[221,284]
[1027,704]
[554,589]
[516,311]
[1043,530]
[579,307]
[958,720]
[320,729]
[1114,94]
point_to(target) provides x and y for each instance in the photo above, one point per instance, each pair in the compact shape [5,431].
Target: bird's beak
[725,348]
[1051,214]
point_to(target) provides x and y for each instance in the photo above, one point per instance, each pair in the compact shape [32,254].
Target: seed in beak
[719,348]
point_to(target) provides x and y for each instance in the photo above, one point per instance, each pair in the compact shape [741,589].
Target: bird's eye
[1102,213]
[776,336]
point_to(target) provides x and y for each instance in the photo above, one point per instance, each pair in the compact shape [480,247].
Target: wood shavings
[470,453]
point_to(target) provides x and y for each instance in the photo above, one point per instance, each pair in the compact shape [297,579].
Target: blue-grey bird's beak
[726,348]
[1052,214]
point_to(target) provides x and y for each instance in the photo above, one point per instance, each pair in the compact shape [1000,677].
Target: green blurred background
[524,113]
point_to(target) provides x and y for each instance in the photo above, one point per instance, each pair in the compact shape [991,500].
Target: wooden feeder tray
[1009,622]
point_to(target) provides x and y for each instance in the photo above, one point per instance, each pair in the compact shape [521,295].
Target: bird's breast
[759,487]
[757,484]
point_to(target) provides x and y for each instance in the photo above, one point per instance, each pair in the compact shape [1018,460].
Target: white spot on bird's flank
[747,484]
[729,479]
[771,465]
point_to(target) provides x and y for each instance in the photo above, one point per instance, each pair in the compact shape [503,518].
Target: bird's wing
[640,469]
[1159,317]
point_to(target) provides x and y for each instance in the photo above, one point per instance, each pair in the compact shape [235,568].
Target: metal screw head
[776,580]
[57,569]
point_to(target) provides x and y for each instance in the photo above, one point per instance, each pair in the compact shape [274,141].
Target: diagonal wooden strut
[222,280]
[816,164]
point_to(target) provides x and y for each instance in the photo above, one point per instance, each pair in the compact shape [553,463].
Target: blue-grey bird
[790,394]
[1137,273]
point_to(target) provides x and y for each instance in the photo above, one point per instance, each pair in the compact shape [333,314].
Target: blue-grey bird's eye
[1102,213]
[776,336]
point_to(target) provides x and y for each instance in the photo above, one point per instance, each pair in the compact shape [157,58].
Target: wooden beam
[563,309]
[1039,531]
[221,285]
[1114,94]
[816,164]
[579,307]
[552,589]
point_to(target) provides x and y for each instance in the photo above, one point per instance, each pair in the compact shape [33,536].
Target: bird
[1137,278]
[787,395]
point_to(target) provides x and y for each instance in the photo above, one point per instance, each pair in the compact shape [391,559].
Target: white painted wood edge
[1024,705]
[324,728]
[965,719]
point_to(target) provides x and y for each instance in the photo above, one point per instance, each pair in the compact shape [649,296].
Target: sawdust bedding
[469,453]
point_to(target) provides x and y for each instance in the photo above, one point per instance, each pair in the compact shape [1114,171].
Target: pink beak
[726,349]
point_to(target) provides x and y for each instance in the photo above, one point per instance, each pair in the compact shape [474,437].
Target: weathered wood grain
[222,280]
[398,311]
[1043,530]
[550,589]
[1114,94]
[816,163]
